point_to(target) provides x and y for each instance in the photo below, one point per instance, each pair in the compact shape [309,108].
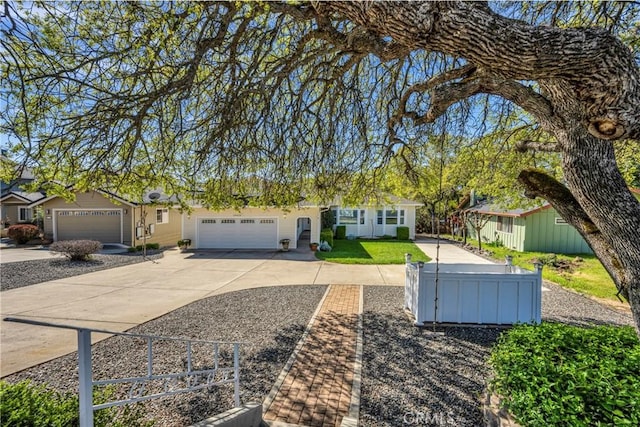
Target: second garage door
[237,233]
[102,225]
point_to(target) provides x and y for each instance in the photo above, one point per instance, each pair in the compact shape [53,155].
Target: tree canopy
[227,100]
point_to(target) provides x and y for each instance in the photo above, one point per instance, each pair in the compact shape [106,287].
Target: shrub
[22,233]
[139,248]
[76,250]
[341,232]
[27,404]
[327,236]
[402,233]
[560,375]
[327,220]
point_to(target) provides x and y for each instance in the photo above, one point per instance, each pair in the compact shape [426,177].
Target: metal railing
[151,385]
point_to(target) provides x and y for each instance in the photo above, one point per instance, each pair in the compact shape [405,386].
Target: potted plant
[313,246]
[184,244]
[285,244]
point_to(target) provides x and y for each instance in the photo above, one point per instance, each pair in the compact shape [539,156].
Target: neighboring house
[15,207]
[99,215]
[377,221]
[14,202]
[539,229]
[108,218]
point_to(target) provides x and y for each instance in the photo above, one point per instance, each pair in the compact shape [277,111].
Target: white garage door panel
[102,225]
[237,233]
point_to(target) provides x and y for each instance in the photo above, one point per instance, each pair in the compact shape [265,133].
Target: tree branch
[546,147]
[539,184]
[608,89]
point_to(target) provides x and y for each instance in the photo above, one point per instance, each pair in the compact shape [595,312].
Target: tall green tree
[281,98]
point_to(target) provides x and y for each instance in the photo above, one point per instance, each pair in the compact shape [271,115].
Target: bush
[76,250]
[327,220]
[139,248]
[560,375]
[26,404]
[327,236]
[22,233]
[341,232]
[402,233]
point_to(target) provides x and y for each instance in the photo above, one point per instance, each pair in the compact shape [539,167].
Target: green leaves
[25,404]
[560,375]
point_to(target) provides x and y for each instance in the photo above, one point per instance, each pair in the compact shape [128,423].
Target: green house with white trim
[539,229]
[535,230]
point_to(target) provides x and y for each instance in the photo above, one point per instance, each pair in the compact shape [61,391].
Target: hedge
[327,236]
[402,233]
[341,232]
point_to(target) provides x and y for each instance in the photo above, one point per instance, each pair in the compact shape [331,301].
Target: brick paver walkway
[317,389]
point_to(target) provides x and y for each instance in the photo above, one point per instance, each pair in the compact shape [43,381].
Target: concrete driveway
[9,253]
[121,298]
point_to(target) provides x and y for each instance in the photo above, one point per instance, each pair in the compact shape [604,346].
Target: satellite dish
[152,196]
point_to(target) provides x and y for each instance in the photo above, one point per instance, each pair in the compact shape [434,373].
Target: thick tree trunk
[599,205]
[594,180]
[590,92]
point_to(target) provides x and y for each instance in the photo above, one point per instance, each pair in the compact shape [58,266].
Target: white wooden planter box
[473,293]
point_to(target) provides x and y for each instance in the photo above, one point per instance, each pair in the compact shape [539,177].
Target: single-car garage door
[237,233]
[103,225]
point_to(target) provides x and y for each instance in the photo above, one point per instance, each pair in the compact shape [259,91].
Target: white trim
[55,225]
[105,194]
[198,220]
[164,216]
[29,211]
[12,194]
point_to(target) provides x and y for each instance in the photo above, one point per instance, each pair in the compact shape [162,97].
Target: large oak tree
[278,99]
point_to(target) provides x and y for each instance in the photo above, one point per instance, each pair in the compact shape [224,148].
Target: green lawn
[583,273]
[372,252]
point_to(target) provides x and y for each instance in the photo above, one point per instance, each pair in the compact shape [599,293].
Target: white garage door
[102,225]
[237,233]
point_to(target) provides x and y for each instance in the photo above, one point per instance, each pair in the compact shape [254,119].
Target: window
[228,221]
[267,221]
[347,216]
[391,217]
[208,221]
[24,214]
[162,216]
[247,221]
[505,224]
[361,216]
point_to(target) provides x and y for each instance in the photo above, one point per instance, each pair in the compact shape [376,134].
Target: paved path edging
[321,385]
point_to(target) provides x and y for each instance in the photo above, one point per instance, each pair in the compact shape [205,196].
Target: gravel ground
[411,376]
[271,320]
[24,273]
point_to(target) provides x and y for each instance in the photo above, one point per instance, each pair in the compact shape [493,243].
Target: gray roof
[27,197]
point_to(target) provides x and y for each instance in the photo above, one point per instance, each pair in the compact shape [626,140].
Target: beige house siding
[165,234]
[287,221]
[90,201]
[9,213]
